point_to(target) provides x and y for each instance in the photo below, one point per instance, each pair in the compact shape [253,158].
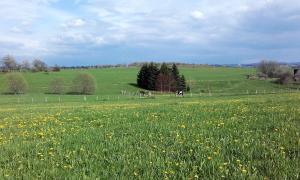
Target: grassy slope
[112,81]
[248,137]
[236,137]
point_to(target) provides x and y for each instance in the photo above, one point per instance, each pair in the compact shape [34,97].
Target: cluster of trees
[272,69]
[81,84]
[165,79]
[9,64]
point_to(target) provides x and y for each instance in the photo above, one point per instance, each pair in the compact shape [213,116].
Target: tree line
[9,64]
[164,79]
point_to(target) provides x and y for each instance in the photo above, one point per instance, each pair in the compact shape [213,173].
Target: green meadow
[227,127]
[111,81]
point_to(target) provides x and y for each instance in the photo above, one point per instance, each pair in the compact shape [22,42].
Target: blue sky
[87,32]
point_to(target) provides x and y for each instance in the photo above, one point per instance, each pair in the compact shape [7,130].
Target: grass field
[112,80]
[230,134]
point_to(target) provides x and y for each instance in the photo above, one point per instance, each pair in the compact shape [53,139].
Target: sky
[90,32]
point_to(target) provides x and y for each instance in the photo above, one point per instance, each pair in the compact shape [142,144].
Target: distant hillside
[111,81]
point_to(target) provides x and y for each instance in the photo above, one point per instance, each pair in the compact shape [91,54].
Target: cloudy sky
[75,32]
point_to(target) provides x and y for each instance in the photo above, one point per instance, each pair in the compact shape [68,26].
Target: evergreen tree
[164,69]
[182,83]
[153,73]
[163,79]
[176,76]
[142,77]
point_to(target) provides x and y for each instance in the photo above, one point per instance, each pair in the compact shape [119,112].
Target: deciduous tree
[16,84]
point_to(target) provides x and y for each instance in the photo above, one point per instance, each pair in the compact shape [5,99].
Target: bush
[83,84]
[285,78]
[56,86]
[16,84]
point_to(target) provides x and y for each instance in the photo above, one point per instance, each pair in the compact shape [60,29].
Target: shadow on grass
[134,85]
[77,93]
[9,93]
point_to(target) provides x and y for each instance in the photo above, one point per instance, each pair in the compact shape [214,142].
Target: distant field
[225,134]
[113,80]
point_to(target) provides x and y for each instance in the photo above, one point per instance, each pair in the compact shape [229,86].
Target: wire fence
[132,95]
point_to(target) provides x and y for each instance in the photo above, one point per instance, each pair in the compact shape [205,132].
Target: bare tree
[56,86]
[8,63]
[83,84]
[268,68]
[25,65]
[39,65]
[56,68]
[16,84]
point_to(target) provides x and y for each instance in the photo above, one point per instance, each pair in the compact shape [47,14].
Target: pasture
[226,133]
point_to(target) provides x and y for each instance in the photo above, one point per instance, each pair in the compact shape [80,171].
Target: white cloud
[197,15]
[44,26]
[76,23]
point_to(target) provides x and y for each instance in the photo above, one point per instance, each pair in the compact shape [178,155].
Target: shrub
[285,78]
[83,84]
[56,86]
[16,84]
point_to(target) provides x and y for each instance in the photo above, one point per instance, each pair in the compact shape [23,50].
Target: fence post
[46,99]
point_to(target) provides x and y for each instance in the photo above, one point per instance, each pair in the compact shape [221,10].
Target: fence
[127,95]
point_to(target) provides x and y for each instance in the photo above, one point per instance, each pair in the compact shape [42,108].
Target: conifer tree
[182,83]
[153,73]
[164,69]
[142,77]
[176,76]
